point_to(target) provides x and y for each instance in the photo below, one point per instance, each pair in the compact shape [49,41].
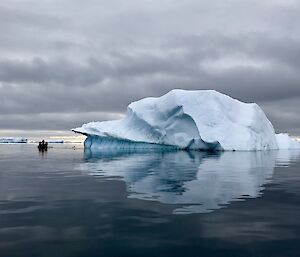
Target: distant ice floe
[12,140]
[190,120]
[58,141]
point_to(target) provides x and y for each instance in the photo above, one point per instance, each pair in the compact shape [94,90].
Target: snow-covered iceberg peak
[182,119]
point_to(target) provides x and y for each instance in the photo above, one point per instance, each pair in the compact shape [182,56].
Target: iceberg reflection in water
[196,182]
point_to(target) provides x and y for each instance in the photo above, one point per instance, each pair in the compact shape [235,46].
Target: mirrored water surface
[68,202]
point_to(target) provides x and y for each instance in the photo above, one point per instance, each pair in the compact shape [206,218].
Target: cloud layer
[66,62]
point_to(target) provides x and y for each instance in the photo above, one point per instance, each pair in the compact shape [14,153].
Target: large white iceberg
[193,120]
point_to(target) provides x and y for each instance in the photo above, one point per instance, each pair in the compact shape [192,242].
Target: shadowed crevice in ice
[103,143]
[196,182]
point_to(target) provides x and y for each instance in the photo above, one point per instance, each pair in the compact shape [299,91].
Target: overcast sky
[66,62]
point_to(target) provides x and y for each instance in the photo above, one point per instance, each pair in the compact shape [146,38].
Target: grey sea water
[68,202]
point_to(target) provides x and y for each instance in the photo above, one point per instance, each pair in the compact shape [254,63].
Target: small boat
[43,146]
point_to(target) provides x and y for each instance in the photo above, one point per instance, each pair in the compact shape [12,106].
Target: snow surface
[194,120]
[12,140]
[284,141]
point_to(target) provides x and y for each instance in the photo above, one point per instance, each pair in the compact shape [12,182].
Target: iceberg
[188,120]
[12,140]
[284,142]
[55,141]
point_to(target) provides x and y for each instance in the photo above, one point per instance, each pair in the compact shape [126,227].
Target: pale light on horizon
[37,135]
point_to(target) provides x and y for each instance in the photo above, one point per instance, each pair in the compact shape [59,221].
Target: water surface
[73,203]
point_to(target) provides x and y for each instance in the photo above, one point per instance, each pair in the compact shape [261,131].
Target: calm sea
[67,202]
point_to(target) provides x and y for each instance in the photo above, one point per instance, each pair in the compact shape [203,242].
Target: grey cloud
[11,16]
[284,114]
[53,121]
[60,71]
[73,56]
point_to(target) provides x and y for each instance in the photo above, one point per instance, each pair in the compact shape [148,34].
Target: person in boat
[43,145]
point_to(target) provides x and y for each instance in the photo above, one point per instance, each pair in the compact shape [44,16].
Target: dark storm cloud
[63,57]
[53,121]
[59,71]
